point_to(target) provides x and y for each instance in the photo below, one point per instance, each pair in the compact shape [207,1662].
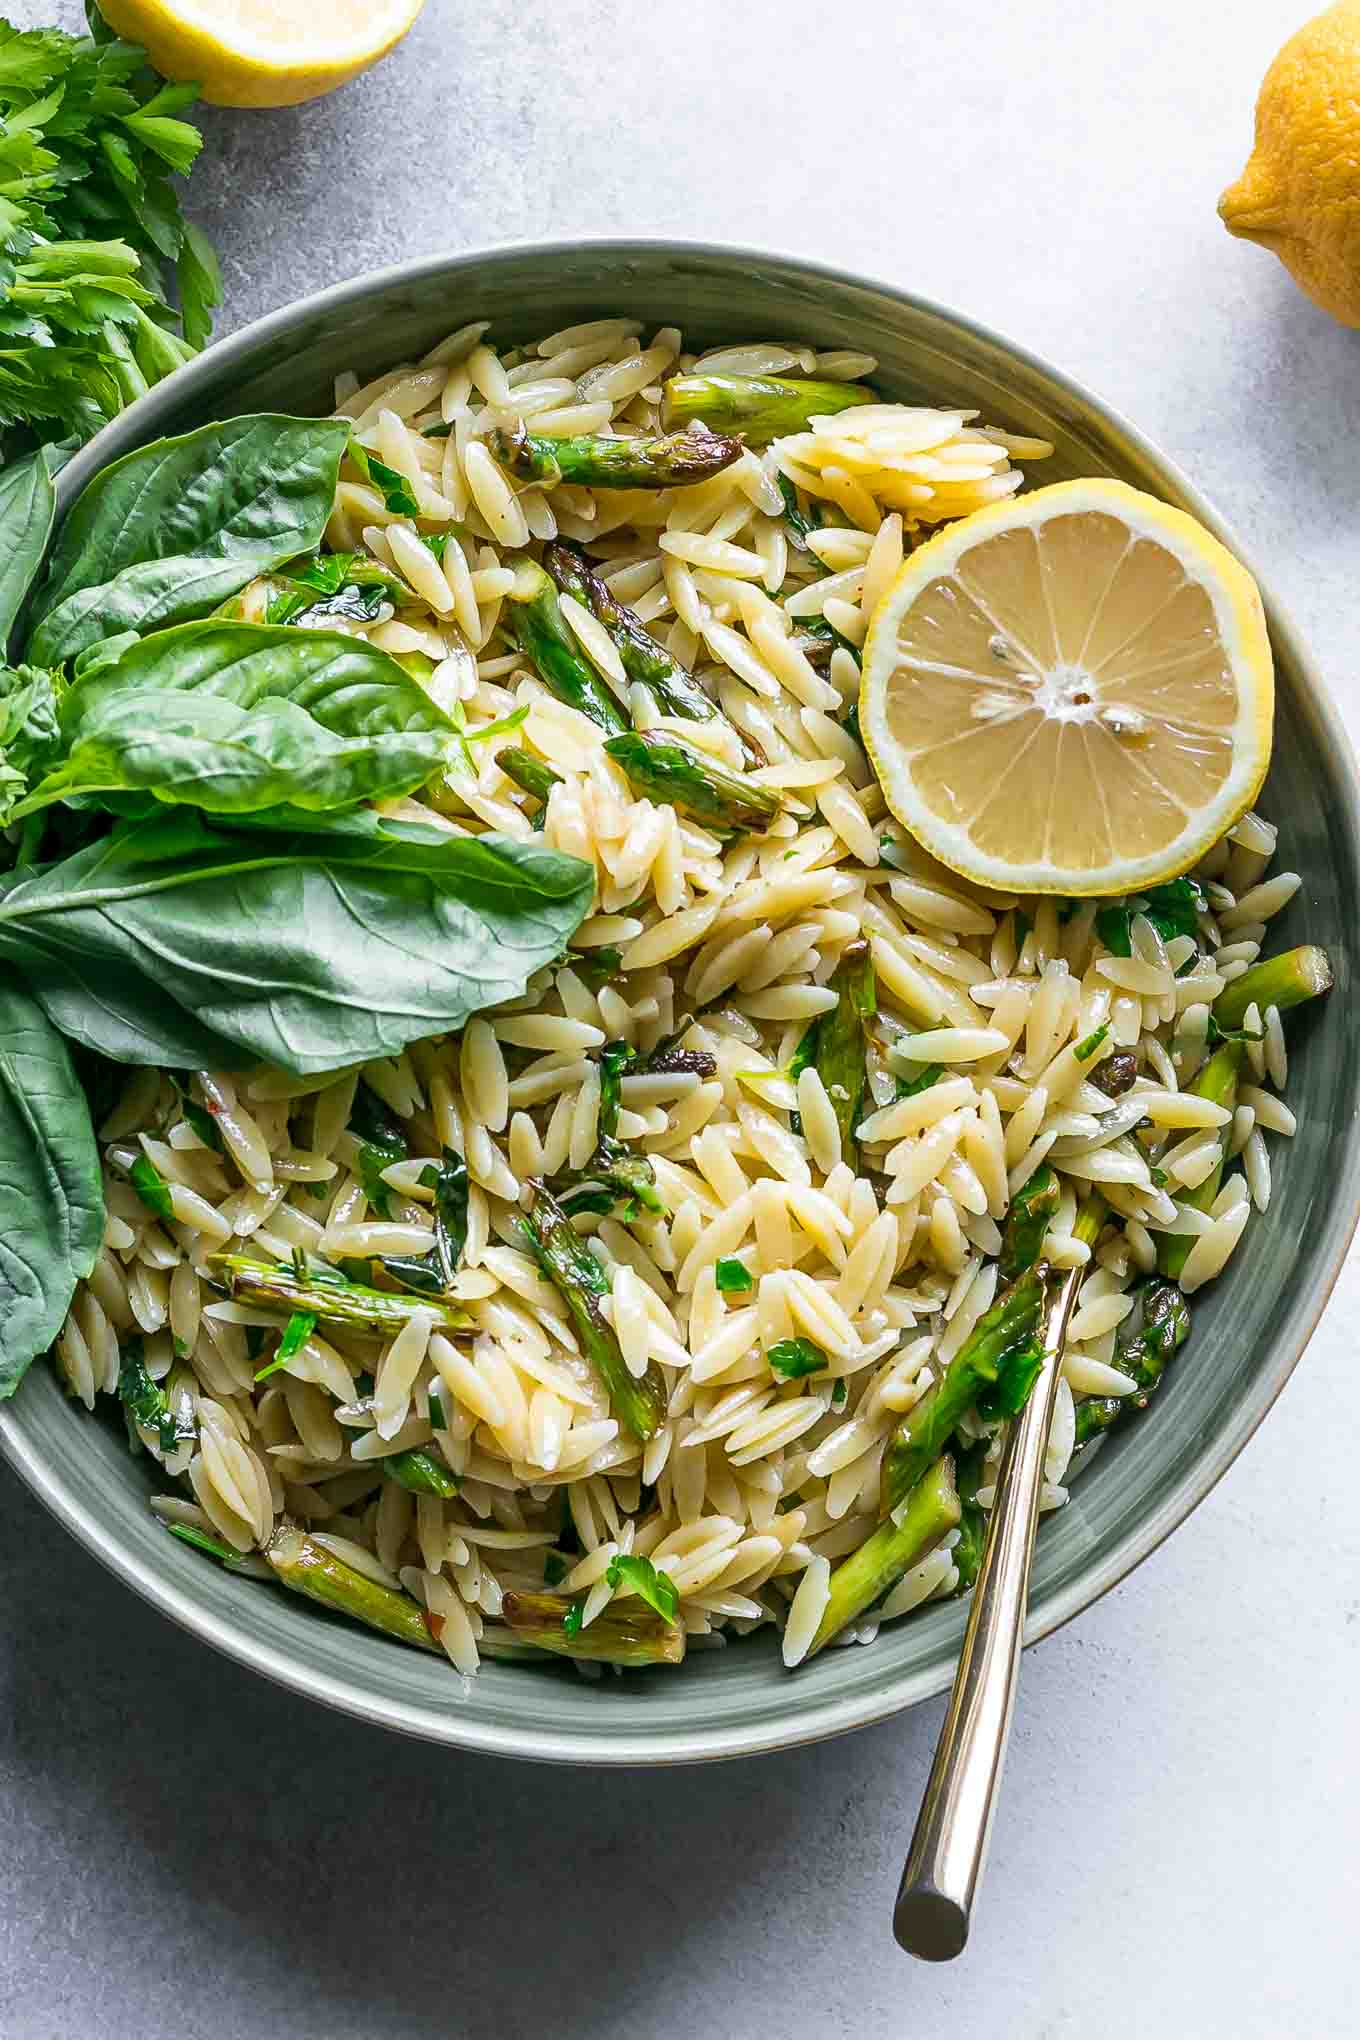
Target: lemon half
[262,52]
[1069,692]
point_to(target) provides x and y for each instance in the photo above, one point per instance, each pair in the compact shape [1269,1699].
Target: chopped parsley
[151,1186]
[1008,1394]
[639,1576]
[1084,1050]
[296,1333]
[200,1121]
[1173,909]
[396,492]
[791,1359]
[595,967]
[733,1277]
[907,1087]
[187,1534]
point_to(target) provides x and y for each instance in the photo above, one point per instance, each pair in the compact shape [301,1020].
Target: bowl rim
[834,1715]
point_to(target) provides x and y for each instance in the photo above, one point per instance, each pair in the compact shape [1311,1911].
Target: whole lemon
[1300,193]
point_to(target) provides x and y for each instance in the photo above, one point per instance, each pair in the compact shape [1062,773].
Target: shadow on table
[1298,408]
[326,1878]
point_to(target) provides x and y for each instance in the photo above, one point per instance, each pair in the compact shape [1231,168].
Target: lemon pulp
[1069,692]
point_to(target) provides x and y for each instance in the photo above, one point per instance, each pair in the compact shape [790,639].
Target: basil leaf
[307,942]
[28,504]
[328,573]
[639,1576]
[235,717]
[168,532]
[51,1190]
[732,1277]
[354,603]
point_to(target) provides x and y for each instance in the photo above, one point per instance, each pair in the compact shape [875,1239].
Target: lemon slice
[262,52]
[1069,692]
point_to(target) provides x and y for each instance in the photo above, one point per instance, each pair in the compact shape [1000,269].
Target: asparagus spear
[309,1568]
[760,407]
[1217,1081]
[328,1295]
[1142,1353]
[672,686]
[838,1052]
[598,462]
[618,1174]
[624,1633]
[639,1404]
[972,1516]
[544,638]
[931,1512]
[536,778]
[663,769]
[1031,1212]
[1002,1334]
[614,1175]
[421,1472]
[1282,981]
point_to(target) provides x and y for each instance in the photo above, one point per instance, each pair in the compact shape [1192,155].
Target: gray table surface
[187,1851]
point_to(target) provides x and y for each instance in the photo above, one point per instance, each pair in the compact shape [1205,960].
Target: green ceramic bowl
[1249,1331]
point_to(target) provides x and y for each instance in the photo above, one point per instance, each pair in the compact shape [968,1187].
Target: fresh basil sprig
[51,1190]
[236,717]
[168,532]
[330,941]
[295,926]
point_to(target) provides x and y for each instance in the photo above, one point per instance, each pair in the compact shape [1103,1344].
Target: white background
[187,1851]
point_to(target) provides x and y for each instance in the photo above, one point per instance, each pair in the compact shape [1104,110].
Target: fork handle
[949,1847]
